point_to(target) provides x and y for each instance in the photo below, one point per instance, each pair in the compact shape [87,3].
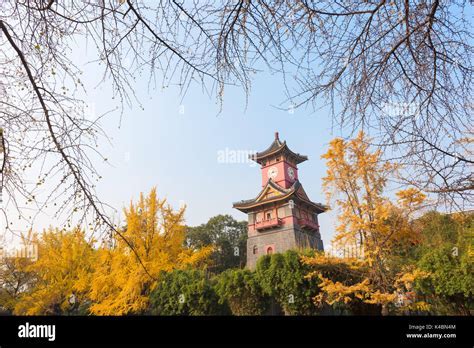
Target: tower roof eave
[249,204]
[275,148]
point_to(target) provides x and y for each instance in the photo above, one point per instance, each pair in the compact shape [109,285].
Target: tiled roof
[277,147]
[292,192]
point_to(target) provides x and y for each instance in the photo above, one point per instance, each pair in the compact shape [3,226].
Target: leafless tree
[401,70]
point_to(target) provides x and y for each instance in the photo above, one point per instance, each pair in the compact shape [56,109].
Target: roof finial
[276,136]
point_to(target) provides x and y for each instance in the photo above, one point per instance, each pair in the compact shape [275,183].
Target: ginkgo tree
[368,222]
[62,272]
[123,280]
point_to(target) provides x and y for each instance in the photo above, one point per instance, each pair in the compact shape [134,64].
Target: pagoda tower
[281,217]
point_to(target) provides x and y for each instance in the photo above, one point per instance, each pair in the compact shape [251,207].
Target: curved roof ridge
[271,183]
[276,147]
[243,205]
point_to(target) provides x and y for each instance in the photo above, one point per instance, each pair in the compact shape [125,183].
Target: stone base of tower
[279,241]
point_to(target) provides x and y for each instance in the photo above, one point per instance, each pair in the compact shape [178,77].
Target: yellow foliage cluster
[64,267]
[115,279]
[122,281]
[333,292]
[356,179]
[349,289]
[14,277]
[406,279]
[367,221]
[337,292]
[410,197]
[326,263]
[416,306]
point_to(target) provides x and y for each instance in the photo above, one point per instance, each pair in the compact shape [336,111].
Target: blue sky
[173,144]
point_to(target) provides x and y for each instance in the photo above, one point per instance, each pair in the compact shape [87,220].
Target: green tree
[239,288]
[185,292]
[227,236]
[283,276]
[446,253]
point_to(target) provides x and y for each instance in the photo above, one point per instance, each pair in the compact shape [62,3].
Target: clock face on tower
[272,172]
[291,173]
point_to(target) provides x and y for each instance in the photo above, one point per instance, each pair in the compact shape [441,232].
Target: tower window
[255,250]
[269,250]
